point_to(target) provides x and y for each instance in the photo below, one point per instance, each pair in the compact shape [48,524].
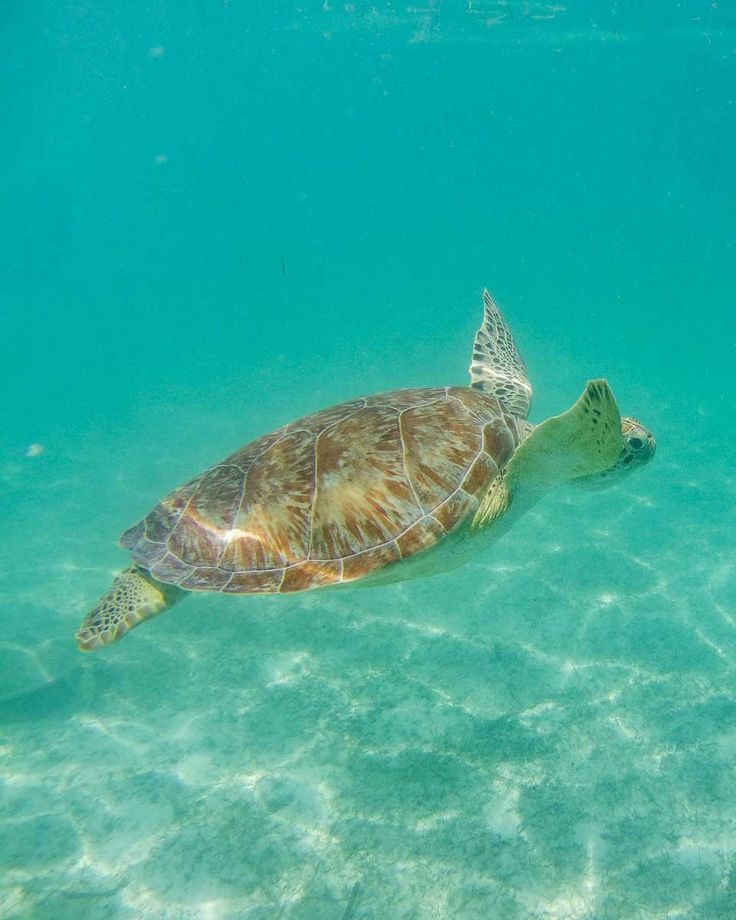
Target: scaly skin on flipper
[497,367]
[133,597]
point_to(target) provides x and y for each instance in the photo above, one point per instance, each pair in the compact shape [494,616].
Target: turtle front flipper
[134,596]
[497,367]
[584,442]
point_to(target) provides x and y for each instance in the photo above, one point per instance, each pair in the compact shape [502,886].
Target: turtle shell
[331,497]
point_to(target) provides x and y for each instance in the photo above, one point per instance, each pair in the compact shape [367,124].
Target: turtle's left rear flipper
[133,598]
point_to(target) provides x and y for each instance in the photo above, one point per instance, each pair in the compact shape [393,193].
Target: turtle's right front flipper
[134,596]
[584,442]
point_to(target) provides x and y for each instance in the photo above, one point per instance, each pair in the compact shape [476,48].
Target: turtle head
[639,445]
[637,450]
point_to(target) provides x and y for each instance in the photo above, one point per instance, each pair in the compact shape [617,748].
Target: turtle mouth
[640,450]
[639,445]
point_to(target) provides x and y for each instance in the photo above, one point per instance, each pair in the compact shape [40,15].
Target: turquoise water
[218,216]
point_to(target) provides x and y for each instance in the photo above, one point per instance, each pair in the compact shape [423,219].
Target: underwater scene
[221,216]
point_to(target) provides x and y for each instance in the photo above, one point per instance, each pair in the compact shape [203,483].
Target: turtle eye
[636,443]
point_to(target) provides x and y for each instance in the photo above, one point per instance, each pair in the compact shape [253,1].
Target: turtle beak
[639,446]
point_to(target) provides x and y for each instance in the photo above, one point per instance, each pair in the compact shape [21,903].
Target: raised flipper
[583,441]
[133,597]
[497,367]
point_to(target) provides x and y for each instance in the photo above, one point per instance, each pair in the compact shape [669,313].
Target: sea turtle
[382,488]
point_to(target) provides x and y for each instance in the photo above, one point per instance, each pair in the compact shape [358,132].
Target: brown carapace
[331,497]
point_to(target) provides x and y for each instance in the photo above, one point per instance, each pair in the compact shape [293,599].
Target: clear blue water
[218,216]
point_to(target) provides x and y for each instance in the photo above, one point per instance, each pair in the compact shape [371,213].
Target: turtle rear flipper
[133,597]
